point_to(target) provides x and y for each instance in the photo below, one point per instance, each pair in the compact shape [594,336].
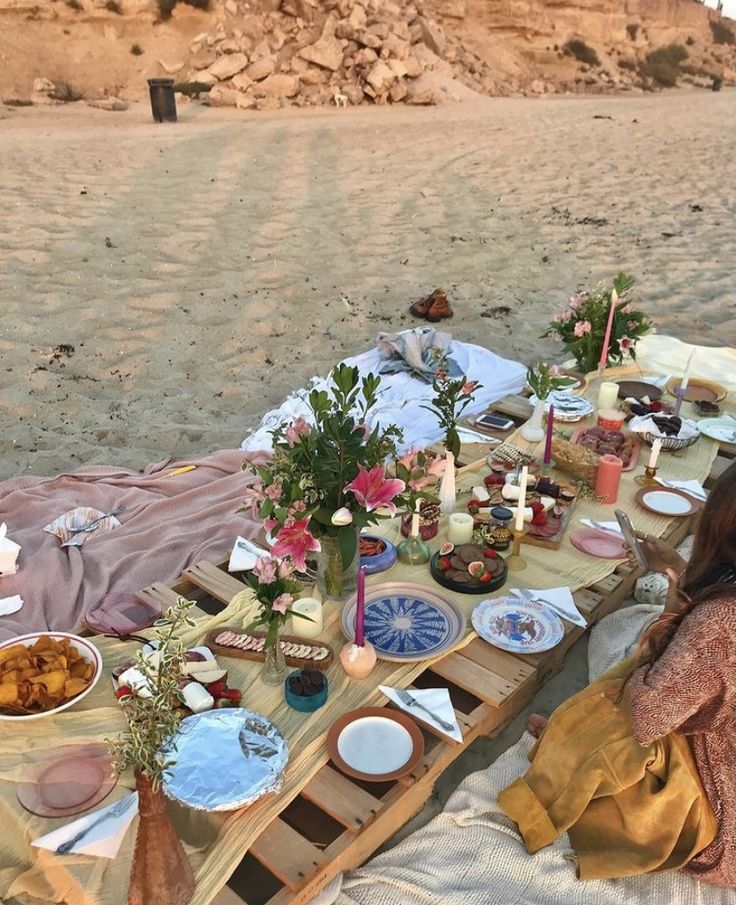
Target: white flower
[342,517]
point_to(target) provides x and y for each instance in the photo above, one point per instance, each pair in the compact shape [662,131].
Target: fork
[410,701]
[92,525]
[697,495]
[116,810]
[601,527]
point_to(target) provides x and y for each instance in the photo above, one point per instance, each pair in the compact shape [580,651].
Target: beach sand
[203,270]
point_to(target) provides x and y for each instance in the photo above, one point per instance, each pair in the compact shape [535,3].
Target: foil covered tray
[226,759]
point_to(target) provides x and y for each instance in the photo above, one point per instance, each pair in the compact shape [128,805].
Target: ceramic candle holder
[648,478]
[358,662]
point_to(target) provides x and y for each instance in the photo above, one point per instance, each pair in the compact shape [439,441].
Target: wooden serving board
[296,662]
[549,543]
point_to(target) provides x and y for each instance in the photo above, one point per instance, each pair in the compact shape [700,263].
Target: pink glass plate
[76,779]
[598,543]
[121,613]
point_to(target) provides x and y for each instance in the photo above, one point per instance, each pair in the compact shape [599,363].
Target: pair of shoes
[433,308]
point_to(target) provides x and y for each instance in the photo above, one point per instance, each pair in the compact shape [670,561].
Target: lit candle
[607,338]
[548,440]
[686,375]
[654,456]
[415,519]
[460,528]
[608,395]
[311,607]
[522,499]
[360,609]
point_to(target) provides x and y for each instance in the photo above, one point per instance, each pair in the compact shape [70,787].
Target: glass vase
[274,666]
[335,581]
[532,430]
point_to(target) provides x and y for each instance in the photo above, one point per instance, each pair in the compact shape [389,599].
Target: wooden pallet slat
[479,681]
[216,582]
[342,799]
[286,854]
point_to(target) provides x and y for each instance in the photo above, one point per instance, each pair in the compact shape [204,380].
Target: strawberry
[231,694]
[536,507]
[539,519]
[217,689]
[444,564]
[485,578]
[490,553]
[123,692]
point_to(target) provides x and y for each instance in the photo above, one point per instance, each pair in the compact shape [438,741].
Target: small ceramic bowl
[382,561]
[301,702]
[611,419]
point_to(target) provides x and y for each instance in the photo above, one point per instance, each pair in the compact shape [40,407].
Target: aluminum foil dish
[226,759]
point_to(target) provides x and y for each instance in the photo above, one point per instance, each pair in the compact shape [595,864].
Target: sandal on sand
[421,308]
[440,308]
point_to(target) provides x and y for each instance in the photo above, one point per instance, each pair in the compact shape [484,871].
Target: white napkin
[10,605]
[103,841]
[644,424]
[557,599]
[693,488]
[435,699]
[78,518]
[613,527]
[244,555]
[470,436]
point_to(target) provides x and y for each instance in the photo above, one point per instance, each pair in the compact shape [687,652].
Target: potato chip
[9,693]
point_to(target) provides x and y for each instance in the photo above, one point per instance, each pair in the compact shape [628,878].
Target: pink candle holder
[358,660]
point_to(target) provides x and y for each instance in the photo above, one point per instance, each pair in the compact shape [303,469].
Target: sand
[201,270]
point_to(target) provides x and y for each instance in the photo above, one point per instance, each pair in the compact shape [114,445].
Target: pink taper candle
[548,440]
[360,609]
[607,338]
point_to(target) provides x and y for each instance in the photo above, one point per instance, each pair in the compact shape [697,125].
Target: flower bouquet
[582,326]
[420,472]
[328,479]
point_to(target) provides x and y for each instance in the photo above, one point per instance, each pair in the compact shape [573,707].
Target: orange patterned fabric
[691,689]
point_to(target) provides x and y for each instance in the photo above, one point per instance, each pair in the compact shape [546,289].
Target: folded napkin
[78,518]
[103,840]
[613,527]
[557,599]
[244,555]
[470,436]
[10,605]
[435,699]
[693,488]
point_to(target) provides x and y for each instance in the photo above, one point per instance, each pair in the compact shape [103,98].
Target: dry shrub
[582,52]
[63,91]
[166,7]
[191,89]
[722,34]
[663,65]
[112,6]
[136,50]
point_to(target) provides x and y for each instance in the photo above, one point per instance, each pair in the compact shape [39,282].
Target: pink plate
[121,613]
[599,543]
[73,780]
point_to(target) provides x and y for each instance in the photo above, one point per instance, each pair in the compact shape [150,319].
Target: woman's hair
[714,549]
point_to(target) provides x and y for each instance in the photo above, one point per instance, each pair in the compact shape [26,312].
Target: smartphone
[632,541]
[494,422]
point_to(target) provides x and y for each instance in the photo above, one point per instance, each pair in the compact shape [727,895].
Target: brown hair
[714,550]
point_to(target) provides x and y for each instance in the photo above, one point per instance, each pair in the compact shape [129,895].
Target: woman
[640,767]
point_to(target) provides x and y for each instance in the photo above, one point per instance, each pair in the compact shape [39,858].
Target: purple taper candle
[360,609]
[548,440]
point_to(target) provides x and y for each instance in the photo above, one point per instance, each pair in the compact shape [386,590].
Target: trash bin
[163,103]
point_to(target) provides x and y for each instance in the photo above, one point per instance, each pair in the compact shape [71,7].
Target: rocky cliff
[264,54]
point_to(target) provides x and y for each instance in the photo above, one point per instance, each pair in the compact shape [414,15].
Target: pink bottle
[609,477]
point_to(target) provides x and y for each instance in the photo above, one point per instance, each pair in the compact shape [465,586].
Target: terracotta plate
[375,744]
[637,389]
[663,501]
[698,389]
[603,544]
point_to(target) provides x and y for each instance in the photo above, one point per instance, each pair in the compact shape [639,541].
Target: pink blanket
[167,524]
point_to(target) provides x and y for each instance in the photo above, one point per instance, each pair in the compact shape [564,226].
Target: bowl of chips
[45,672]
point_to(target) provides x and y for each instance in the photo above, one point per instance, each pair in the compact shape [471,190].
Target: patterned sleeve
[691,672]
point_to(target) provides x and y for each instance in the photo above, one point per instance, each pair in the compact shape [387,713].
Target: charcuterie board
[230,649]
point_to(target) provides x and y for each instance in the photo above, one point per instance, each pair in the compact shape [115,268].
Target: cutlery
[116,810]
[531,598]
[410,701]
[601,527]
[689,491]
[94,524]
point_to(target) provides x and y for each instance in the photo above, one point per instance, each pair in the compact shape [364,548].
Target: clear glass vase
[335,581]
[274,666]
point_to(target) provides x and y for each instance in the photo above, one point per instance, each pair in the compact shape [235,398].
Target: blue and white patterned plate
[518,626]
[407,622]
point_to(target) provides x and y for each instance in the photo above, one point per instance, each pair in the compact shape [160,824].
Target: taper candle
[415,519]
[360,609]
[607,338]
[548,439]
[686,376]
[522,499]
[654,455]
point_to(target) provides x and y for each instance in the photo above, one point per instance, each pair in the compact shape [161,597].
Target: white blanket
[402,395]
[471,854]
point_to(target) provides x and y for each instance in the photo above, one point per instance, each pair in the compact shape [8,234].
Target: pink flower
[270,523]
[373,489]
[296,430]
[632,325]
[563,317]
[625,343]
[281,603]
[296,540]
[420,483]
[468,387]
[554,371]
[296,507]
[265,569]
[577,300]
[286,568]
[254,496]
[273,492]
[581,328]
[409,460]
[627,309]
[437,466]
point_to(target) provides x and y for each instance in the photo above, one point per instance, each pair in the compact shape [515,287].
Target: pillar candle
[608,479]
[307,606]
[360,609]
[522,499]
[548,439]
[686,375]
[608,395]
[460,528]
[654,456]
[607,338]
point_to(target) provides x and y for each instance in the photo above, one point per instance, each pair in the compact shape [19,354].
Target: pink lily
[265,569]
[373,489]
[581,328]
[625,343]
[296,540]
[273,492]
[298,428]
[254,497]
[281,603]
[468,388]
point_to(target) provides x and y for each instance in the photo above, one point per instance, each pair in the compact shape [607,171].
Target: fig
[446,549]
[476,569]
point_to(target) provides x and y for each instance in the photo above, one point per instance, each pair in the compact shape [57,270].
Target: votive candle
[654,455]
[608,478]
[607,338]
[548,438]
[460,528]
[522,499]
[608,395]
[360,609]
[311,607]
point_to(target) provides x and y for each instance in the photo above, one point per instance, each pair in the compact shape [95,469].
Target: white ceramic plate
[375,745]
[721,429]
[666,503]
